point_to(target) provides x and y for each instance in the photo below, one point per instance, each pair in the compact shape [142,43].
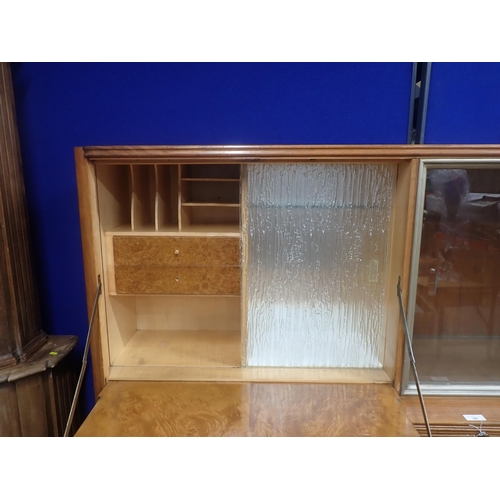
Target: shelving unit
[209,196]
[171,244]
[165,197]
[169,198]
[171,265]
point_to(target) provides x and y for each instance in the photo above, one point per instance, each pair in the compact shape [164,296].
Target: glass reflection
[456,333]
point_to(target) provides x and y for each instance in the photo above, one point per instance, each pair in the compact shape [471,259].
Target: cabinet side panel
[396,264]
[317,255]
[92,262]
[121,323]
[411,175]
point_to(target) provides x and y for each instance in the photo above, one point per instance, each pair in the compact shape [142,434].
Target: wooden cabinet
[172,234]
[21,333]
[37,379]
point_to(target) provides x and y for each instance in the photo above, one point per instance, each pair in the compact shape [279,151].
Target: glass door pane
[456,323]
[318,239]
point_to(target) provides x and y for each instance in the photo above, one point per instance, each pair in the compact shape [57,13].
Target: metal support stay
[412,357]
[85,358]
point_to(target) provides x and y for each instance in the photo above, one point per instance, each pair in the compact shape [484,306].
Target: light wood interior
[188,328]
[194,191]
[402,204]
[209,195]
[188,348]
[166,198]
[167,201]
[114,195]
[251,374]
[154,335]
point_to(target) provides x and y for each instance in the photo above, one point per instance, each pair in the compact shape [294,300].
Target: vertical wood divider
[405,278]
[244,262]
[132,198]
[157,198]
[179,196]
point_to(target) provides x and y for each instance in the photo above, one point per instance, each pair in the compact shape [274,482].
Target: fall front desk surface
[140,408]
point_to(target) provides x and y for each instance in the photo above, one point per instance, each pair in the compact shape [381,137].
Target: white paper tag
[474,418]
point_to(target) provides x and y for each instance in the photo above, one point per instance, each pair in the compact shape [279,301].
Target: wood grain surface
[278,153]
[207,266]
[182,348]
[182,312]
[262,374]
[91,232]
[253,409]
[446,414]
[20,323]
[177,280]
[172,251]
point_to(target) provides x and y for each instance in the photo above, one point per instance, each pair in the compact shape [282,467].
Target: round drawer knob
[176,252]
[176,279]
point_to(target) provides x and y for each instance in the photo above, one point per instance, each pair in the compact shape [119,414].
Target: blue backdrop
[464,104]
[61,106]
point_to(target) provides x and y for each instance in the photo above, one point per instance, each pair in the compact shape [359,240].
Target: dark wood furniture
[37,379]
[36,395]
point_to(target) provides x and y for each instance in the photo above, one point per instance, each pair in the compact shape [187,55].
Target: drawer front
[176,251]
[177,280]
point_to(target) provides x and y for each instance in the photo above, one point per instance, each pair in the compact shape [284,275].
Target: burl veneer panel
[173,251]
[171,265]
[178,280]
[251,409]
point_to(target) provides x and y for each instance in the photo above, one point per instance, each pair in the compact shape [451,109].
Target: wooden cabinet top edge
[270,153]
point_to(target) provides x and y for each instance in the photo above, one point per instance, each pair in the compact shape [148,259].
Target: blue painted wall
[464,104]
[61,106]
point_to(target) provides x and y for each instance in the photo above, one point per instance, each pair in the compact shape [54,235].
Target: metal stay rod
[412,358]
[84,362]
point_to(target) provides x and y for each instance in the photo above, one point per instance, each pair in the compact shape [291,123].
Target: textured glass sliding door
[316,254]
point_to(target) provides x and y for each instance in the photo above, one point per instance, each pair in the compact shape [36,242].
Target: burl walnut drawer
[178,280]
[176,251]
[176,265]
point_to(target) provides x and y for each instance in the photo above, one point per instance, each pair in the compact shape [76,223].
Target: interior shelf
[211,229]
[208,179]
[200,348]
[202,204]
[187,230]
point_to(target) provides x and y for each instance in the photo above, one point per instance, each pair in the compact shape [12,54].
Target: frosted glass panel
[317,252]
